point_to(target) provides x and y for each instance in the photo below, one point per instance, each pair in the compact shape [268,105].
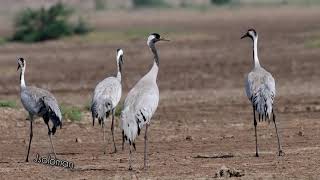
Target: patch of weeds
[9,104]
[82,27]
[87,107]
[100,5]
[220,2]
[2,40]
[71,112]
[313,43]
[34,25]
[119,109]
[150,3]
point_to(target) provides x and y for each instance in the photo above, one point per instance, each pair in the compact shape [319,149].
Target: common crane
[141,102]
[260,89]
[39,102]
[106,97]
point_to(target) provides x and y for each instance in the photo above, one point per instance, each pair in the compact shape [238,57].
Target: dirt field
[203,109]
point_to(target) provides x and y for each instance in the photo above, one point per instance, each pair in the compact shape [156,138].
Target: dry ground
[203,109]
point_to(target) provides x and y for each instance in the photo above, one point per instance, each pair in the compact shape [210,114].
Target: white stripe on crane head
[119,53]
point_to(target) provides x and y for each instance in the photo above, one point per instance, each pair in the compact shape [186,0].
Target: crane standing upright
[39,102]
[142,102]
[106,97]
[260,90]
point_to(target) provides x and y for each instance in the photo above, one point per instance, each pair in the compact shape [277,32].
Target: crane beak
[244,36]
[163,39]
[18,67]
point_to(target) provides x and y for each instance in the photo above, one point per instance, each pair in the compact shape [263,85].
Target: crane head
[155,37]
[21,63]
[251,33]
[120,56]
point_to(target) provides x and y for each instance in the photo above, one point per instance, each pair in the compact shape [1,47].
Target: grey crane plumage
[41,103]
[260,90]
[106,97]
[141,102]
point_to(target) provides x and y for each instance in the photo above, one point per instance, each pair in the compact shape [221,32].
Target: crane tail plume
[50,110]
[129,126]
[100,109]
[263,102]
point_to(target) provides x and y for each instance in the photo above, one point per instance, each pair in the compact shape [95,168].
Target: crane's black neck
[155,54]
[120,66]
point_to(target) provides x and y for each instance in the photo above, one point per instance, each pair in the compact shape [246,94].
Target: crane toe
[281,153]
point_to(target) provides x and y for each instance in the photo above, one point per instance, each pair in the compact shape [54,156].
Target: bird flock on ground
[142,100]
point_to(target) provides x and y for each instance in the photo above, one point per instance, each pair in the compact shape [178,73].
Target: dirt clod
[229,172]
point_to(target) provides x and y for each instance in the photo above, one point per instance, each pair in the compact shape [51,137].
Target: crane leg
[130,158]
[255,131]
[145,147]
[112,131]
[52,147]
[104,137]
[31,135]
[122,140]
[281,153]
[50,138]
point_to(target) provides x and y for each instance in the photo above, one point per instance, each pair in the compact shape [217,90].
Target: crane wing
[106,96]
[260,89]
[249,85]
[52,108]
[138,111]
[109,88]
[145,108]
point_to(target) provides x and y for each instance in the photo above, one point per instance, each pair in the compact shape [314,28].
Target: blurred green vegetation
[100,5]
[81,27]
[87,107]
[149,3]
[33,25]
[8,104]
[2,40]
[220,2]
[71,112]
[314,43]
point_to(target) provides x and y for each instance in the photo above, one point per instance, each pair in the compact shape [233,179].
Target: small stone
[189,138]
[78,140]
[308,108]
[228,136]
[300,133]
[20,124]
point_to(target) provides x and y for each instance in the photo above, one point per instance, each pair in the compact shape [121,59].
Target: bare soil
[204,120]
